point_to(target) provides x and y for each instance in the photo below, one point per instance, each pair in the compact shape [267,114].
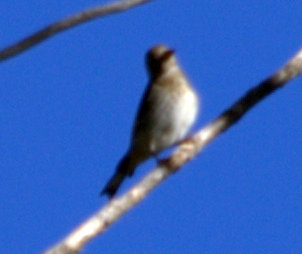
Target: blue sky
[67,108]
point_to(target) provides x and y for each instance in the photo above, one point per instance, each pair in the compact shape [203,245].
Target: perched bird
[167,111]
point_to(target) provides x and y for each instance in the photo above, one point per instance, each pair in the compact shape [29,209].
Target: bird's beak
[171,51]
[168,54]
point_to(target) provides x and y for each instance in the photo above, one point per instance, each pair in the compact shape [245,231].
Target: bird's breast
[174,115]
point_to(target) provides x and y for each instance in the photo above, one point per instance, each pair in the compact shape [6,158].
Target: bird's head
[160,59]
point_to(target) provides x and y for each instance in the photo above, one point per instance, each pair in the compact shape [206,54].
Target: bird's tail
[125,168]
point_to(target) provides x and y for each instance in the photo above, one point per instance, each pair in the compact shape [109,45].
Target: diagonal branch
[100,221]
[67,23]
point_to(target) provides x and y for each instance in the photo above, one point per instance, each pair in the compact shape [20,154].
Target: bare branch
[99,222]
[67,23]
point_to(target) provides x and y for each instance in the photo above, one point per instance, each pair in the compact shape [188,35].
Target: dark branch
[67,23]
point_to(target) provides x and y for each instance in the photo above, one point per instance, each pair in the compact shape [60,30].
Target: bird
[168,109]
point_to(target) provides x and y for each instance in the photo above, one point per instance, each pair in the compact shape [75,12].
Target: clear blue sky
[67,108]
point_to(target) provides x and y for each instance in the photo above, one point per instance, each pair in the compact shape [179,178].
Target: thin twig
[99,222]
[67,23]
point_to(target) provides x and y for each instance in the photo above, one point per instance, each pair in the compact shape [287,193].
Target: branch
[67,23]
[188,149]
